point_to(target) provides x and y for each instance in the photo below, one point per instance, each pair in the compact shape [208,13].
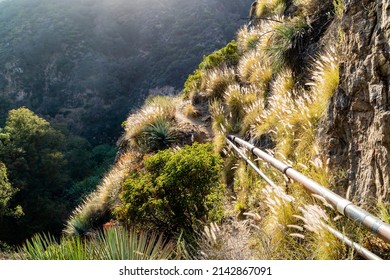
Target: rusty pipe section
[344,206]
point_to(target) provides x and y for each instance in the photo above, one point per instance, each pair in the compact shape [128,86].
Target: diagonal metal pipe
[344,206]
[368,255]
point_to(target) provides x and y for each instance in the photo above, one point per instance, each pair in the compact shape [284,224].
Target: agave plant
[158,135]
[112,244]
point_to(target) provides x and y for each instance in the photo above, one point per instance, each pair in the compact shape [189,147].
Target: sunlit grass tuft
[270,7]
[254,68]
[98,204]
[216,81]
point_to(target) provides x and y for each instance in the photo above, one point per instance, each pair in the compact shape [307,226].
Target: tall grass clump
[96,208]
[237,99]
[245,186]
[325,79]
[308,8]
[255,69]
[216,81]
[285,43]
[152,123]
[226,242]
[324,245]
[225,57]
[112,244]
[247,39]
[270,7]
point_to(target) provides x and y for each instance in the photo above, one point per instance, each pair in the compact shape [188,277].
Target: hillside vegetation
[87,63]
[175,173]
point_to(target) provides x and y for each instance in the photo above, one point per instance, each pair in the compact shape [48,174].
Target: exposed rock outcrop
[358,124]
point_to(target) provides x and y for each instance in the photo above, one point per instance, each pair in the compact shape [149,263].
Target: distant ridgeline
[88,63]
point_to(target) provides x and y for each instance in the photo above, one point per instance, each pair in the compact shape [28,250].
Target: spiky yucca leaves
[157,136]
[113,244]
[285,43]
[152,115]
[216,81]
[98,204]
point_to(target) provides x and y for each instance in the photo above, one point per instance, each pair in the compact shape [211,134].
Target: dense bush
[174,191]
[52,170]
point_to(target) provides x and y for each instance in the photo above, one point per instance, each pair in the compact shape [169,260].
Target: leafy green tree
[6,193]
[175,190]
[32,150]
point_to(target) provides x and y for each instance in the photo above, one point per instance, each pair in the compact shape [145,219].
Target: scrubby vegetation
[271,87]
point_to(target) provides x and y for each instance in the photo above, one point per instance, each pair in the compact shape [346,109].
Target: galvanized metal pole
[255,168]
[368,255]
[359,249]
[343,205]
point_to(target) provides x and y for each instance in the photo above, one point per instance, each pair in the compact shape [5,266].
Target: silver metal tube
[255,168]
[343,205]
[368,255]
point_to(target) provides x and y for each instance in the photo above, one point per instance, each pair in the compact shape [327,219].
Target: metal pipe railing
[344,206]
[254,167]
[365,253]
[368,255]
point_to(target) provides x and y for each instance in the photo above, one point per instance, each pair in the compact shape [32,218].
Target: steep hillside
[305,82]
[88,63]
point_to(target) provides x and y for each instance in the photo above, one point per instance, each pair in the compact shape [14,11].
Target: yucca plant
[157,135]
[112,244]
[151,115]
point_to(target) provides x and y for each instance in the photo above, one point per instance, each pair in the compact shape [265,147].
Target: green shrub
[174,191]
[227,55]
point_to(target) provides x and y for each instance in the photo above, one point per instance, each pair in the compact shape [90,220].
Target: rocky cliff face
[358,128]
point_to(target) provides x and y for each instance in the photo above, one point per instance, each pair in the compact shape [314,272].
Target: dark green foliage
[174,191]
[228,56]
[6,193]
[52,170]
